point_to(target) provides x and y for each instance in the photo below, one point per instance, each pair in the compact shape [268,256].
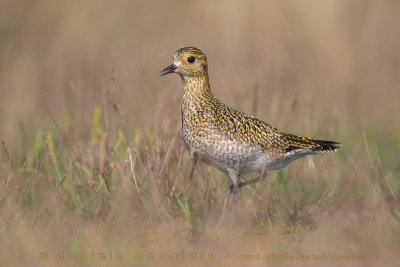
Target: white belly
[232,154]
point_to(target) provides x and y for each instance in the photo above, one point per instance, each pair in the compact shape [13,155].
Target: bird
[230,140]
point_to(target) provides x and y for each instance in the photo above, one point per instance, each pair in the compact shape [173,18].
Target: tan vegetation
[92,160]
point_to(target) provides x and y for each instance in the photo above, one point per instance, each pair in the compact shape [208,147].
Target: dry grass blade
[168,154]
[132,169]
[384,184]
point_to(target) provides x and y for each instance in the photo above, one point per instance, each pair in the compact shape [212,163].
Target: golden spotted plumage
[231,140]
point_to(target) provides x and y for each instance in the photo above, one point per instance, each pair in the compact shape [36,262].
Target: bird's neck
[195,87]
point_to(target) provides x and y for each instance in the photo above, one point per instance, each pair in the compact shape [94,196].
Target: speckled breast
[216,149]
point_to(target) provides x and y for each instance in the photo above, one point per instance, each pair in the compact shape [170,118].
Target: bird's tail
[325,146]
[318,146]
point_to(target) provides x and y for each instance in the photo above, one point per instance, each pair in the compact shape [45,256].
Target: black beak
[170,69]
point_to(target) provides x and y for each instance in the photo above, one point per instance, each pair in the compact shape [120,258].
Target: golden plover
[228,139]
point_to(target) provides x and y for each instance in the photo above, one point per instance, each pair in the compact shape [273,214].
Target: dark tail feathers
[325,146]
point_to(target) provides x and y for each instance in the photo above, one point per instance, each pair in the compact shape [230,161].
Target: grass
[93,169]
[129,189]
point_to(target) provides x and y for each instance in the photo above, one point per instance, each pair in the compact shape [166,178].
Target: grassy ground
[93,169]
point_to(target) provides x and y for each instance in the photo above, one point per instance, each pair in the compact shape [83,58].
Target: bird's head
[188,62]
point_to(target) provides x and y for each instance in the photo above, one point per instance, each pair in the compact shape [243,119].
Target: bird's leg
[228,196]
[194,162]
[254,180]
[236,192]
[234,188]
[260,178]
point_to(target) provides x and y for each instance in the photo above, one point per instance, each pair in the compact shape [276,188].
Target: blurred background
[339,59]
[83,110]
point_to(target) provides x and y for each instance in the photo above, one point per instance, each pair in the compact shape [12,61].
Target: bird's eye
[191,59]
